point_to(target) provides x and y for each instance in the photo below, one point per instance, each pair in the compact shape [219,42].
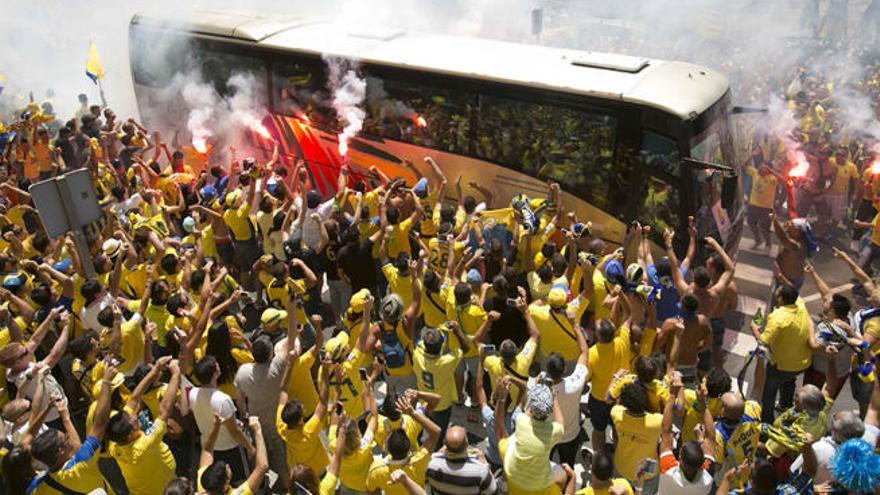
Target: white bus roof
[682,89]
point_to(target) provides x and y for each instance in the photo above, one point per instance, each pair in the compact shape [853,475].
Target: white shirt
[122,208]
[674,482]
[24,381]
[825,449]
[569,392]
[311,231]
[204,401]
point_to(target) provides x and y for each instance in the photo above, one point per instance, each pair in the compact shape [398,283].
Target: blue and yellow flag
[94,69]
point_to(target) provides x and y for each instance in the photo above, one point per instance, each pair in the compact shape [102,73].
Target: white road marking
[739,343]
[753,274]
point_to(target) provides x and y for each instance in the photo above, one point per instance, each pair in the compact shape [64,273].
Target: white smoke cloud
[348,90]
[203,103]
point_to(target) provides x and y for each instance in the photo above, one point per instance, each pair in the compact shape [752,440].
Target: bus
[626,138]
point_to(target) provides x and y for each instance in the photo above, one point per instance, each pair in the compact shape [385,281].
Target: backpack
[395,354]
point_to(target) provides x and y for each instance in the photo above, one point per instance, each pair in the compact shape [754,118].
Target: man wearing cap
[397,333]
[258,386]
[554,322]
[238,219]
[352,318]
[350,384]
[526,452]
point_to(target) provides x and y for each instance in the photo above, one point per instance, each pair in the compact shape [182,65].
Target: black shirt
[358,264]
[511,325]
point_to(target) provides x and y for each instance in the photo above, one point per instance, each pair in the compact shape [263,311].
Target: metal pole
[79,237]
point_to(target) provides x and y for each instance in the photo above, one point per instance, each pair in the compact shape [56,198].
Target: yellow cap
[358,300]
[336,345]
[557,297]
[272,316]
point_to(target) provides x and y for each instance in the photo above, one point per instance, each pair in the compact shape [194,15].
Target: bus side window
[299,90]
[661,204]
[570,145]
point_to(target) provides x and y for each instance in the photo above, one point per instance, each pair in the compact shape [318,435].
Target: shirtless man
[684,337]
[789,265]
[710,294]
[727,303]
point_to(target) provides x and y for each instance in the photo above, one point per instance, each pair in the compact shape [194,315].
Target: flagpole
[101,91]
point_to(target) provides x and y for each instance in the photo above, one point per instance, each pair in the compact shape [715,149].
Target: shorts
[237,460]
[861,390]
[246,254]
[837,205]
[225,251]
[600,413]
[717,325]
[759,217]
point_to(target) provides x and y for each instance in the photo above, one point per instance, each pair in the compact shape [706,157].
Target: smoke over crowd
[760,46]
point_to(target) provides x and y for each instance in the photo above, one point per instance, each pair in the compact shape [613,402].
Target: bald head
[456,439]
[732,406]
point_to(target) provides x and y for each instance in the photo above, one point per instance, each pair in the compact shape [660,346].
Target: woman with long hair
[229,357]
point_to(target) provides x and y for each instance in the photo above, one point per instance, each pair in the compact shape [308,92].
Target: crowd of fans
[232,329]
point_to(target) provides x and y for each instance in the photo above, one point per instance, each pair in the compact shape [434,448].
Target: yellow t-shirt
[605,360]
[399,284]
[787,336]
[239,222]
[147,463]
[469,318]
[278,293]
[242,489]
[694,416]
[439,251]
[735,446]
[301,385]
[513,489]
[351,385]
[303,443]
[82,476]
[843,176]
[132,344]
[557,334]
[615,483]
[379,477]
[637,438]
[875,230]
[600,291]
[520,366]
[398,240]
[657,392]
[412,428]
[355,465]
[527,460]
[435,305]
[435,374]
[763,188]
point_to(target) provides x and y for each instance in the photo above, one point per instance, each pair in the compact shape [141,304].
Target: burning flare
[875,167]
[200,145]
[343,145]
[260,129]
[419,121]
[303,118]
[801,164]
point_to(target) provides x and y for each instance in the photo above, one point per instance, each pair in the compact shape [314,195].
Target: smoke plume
[348,91]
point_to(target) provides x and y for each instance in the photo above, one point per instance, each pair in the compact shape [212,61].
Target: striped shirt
[465,476]
[527,460]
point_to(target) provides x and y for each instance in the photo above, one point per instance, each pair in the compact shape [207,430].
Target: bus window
[661,205]
[571,146]
[299,89]
[424,115]
[661,153]
[217,66]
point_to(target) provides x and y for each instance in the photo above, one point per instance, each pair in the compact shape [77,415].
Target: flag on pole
[94,69]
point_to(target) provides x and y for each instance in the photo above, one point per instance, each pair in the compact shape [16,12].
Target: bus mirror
[728,191]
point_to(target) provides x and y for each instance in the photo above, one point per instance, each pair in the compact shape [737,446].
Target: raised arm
[102,409]
[727,275]
[255,479]
[206,458]
[680,284]
[60,346]
[820,284]
[783,236]
[692,244]
[860,274]
[430,427]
